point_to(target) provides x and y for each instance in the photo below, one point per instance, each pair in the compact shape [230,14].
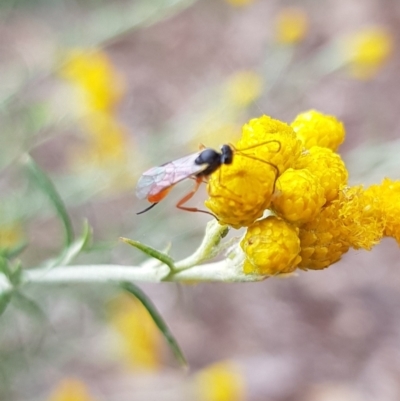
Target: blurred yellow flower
[221,381]
[243,88]
[106,148]
[140,338]
[239,3]
[291,25]
[11,235]
[367,51]
[98,89]
[95,77]
[71,390]
[108,140]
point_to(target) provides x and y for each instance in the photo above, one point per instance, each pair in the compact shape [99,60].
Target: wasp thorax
[208,156]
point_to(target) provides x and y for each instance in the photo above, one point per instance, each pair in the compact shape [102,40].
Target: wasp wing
[157,179]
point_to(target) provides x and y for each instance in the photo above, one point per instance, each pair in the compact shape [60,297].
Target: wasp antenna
[258,145]
[147,208]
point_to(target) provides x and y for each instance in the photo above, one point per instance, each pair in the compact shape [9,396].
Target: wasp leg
[188,196]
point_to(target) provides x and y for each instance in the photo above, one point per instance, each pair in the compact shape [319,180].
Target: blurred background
[99,91]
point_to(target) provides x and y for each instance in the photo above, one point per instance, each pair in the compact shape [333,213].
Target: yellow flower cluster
[292,175]
[98,89]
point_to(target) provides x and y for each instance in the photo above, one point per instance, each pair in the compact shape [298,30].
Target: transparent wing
[158,178]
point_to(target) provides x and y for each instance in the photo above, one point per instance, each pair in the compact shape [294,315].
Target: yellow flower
[387,194]
[240,192]
[271,246]
[221,381]
[317,129]
[354,220]
[327,166]
[367,51]
[299,196]
[11,235]
[71,390]
[141,340]
[239,3]
[362,217]
[243,88]
[291,25]
[284,147]
[322,239]
[95,77]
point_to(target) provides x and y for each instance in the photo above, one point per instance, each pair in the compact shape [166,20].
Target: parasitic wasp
[155,183]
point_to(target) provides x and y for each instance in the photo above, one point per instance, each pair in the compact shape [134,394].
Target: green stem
[208,249]
[222,271]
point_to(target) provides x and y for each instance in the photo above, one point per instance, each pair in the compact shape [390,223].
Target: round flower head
[271,246]
[321,240]
[327,166]
[388,195]
[361,214]
[272,140]
[240,192]
[299,196]
[317,129]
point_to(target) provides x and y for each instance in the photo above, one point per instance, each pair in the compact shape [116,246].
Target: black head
[226,154]
[214,159]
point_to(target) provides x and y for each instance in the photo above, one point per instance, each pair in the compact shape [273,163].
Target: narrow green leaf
[16,273]
[4,267]
[70,252]
[158,320]
[162,257]
[46,185]
[5,299]
[14,251]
